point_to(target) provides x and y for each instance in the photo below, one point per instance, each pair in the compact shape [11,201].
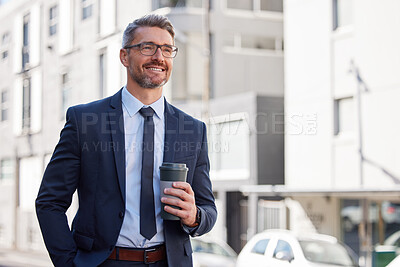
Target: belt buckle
[145,256]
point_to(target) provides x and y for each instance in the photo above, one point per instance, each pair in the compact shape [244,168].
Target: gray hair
[151,20]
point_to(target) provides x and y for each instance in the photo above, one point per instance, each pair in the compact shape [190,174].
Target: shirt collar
[133,105]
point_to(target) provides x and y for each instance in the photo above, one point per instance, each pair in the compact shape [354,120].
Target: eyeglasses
[149,49]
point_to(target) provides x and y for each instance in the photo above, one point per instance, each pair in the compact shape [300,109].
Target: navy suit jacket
[90,158]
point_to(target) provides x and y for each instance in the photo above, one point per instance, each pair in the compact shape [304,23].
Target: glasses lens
[148,49]
[168,51]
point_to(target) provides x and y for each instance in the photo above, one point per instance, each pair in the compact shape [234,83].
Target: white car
[211,252]
[276,248]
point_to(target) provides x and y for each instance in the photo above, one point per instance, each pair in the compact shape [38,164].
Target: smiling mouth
[155,69]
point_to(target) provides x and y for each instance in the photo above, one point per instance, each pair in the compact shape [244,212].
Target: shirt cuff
[190,230]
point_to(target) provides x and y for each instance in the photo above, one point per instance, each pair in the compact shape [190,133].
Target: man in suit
[103,154]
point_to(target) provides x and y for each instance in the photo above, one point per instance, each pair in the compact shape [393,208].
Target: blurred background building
[341,91]
[300,106]
[58,53]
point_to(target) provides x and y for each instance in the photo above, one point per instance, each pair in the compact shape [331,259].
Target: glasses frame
[175,49]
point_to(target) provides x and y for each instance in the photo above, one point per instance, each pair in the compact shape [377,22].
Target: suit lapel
[116,121]
[171,132]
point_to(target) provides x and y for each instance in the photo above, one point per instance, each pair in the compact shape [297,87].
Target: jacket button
[121,214]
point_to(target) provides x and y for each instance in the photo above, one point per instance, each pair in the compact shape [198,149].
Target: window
[258,42]
[344,115]
[5,40]
[239,41]
[256,5]
[383,219]
[271,5]
[4,55]
[53,13]
[87,9]
[102,74]
[229,146]
[177,3]
[240,4]
[26,104]
[66,94]
[260,247]
[342,13]
[6,169]
[329,253]
[25,48]
[283,248]
[4,105]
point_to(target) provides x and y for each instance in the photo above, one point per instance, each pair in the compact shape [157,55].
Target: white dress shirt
[129,235]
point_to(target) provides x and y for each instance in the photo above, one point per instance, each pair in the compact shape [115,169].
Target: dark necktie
[147,211]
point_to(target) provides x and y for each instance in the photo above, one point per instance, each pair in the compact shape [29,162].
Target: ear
[123,56]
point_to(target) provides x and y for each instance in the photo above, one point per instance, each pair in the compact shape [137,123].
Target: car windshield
[325,252]
[209,247]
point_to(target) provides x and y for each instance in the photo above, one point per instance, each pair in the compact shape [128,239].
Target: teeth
[156,69]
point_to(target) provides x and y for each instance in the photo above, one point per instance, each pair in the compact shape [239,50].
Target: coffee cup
[169,173]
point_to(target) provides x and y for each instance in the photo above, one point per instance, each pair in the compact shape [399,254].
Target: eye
[168,49]
[147,47]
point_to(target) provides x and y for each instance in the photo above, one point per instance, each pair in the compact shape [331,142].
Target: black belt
[148,255]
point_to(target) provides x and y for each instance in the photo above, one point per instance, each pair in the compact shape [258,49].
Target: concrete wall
[318,65]
[324,68]
[308,93]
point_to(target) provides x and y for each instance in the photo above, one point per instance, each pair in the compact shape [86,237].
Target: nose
[158,55]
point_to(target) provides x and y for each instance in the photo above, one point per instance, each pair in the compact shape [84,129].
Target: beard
[144,80]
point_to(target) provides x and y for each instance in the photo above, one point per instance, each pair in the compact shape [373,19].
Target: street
[15,258]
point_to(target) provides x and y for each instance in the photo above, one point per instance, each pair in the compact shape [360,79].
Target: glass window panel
[258,42]
[344,115]
[319,251]
[271,5]
[260,247]
[102,74]
[7,169]
[25,49]
[5,38]
[26,104]
[236,155]
[343,13]
[53,20]
[4,55]
[66,94]
[4,105]
[240,4]
[179,3]
[87,8]
[284,247]
[229,145]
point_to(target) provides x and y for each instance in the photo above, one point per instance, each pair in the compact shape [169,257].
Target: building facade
[243,77]
[340,64]
[54,54]
[58,53]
